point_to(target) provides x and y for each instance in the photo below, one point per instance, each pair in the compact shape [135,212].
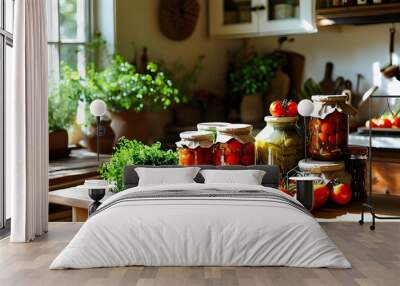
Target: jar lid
[330,98]
[274,119]
[197,135]
[194,139]
[357,150]
[317,167]
[211,126]
[240,129]
[240,132]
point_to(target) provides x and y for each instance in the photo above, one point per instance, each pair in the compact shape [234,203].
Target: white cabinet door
[233,18]
[284,19]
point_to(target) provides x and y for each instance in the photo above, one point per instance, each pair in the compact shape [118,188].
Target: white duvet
[205,231]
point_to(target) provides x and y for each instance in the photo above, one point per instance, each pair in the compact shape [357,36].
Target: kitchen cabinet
[252,18]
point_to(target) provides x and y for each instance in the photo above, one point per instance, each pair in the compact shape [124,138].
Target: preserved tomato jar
[196,148]
[328,127]
[279,143]
[234,145]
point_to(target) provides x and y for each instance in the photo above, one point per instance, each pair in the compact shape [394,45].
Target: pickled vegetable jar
[211,126]
[234,145]
[279,143]
[196,148]
[328,127]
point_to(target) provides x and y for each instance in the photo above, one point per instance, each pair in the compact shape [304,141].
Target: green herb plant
[254,73]
[63,99]
[124,89]
[132,152]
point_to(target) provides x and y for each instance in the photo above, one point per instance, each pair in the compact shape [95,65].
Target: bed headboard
[271,178]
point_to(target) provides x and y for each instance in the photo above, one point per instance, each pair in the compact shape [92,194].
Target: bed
[198,224]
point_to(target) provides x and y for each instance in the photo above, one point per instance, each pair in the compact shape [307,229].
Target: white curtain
[26,119]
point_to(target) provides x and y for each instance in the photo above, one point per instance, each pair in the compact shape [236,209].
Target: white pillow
[166,176]
[247,177]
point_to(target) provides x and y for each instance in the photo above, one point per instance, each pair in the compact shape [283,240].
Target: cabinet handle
[257,8]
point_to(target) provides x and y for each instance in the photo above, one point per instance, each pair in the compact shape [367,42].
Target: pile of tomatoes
[384,122]
[197,156]
[235,153]
[337,192]
[328,136]
[283,108]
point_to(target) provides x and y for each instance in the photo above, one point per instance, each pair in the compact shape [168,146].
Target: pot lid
[200,135]
[211,126]
[305,178]
[320,166]
[274,119]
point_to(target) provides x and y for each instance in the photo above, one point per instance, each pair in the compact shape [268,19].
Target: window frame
[6,39]
[59,43]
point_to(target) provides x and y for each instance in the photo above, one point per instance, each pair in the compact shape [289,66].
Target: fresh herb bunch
[63,99]
[124,89]
[254,73]
[132,152]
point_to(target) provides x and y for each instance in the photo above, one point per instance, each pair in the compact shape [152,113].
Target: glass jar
[328,127]
[327,171]
[234,145]
[279,143]
[196,148]
[211,127]
[356,166]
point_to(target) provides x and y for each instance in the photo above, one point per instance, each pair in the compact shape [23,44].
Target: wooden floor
[375,257]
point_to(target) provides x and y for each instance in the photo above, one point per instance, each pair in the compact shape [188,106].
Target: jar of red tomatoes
[328,127]
[235,145]
[196,148]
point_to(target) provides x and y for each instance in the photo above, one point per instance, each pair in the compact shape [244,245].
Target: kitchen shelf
[359,15]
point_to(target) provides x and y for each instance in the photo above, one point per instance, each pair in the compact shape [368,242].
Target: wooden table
[76,198]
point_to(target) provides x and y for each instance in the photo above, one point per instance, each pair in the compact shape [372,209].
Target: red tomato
[276,109]
[234,146]
[384,123]
[321,195]
[248,148]
[291,109]
[339,138]
[217,157]
[396,122]
[247,160]
[341,194]
[187,160]
[323,137]
[327,127]
[332,139]
[233,159]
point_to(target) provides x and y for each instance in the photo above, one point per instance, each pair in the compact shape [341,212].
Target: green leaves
[123,89]
[254,74]
[132,152]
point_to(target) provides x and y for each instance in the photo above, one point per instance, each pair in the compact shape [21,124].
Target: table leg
[79,214]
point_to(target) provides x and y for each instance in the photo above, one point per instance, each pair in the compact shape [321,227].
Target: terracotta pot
[130,124]
[106,138]
[188,114]
[58,144]
[252,109]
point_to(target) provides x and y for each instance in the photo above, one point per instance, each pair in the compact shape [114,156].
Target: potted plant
[129,95]
[132,152]
[62,107]
[250,81]
[190,110]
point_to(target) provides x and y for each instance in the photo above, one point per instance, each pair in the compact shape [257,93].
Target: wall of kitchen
[137,26]
[352,49]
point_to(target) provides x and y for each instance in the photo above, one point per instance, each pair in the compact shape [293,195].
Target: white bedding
[202,231]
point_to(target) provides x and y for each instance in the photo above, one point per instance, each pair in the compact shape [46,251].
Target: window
[6,61]
[69,31]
